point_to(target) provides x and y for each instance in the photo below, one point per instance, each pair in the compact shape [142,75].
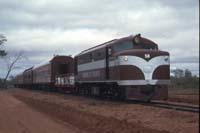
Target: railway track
[171,105]
[174,106]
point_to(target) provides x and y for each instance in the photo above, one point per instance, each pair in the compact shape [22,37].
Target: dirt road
[17,117]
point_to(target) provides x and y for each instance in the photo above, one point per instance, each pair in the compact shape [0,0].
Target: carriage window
[124,46]
[99,55]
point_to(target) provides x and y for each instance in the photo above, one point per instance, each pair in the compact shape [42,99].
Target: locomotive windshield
[131,45]
[124,46]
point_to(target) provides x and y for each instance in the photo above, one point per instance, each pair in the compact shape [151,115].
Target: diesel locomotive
[131,67]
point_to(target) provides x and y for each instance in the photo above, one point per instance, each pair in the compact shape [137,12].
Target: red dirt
[91,115]
[184,96]
[17,117]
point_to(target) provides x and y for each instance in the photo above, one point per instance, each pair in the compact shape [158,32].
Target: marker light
[166,58]
[137,40]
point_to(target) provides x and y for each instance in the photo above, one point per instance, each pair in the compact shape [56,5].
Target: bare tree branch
[11,62]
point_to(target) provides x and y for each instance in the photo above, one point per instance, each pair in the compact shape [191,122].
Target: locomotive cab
[138,66]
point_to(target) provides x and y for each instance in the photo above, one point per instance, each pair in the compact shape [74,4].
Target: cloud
[57,40]
[47,27]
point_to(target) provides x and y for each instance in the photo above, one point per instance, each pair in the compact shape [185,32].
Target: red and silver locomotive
[131,67]
[127,68]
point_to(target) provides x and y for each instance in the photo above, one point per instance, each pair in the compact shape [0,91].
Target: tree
[11,65]
[188,73]
[2,40]
[178,73]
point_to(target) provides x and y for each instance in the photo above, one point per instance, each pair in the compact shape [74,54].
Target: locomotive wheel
[102,94]
[149,97]
[122,95]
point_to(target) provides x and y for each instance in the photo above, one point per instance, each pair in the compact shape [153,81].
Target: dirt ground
[17,117]
[185,96]
[37,111]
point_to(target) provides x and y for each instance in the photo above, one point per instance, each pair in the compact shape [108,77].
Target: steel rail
[175,106]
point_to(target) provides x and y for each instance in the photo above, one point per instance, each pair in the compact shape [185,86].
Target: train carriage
[28,77]
[18,80]
[131,67]
[54,74]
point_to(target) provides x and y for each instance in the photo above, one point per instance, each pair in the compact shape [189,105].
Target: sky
[44,28]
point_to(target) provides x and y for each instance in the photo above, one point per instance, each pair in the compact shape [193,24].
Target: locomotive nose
[147,68]
[144,54]
[153,65]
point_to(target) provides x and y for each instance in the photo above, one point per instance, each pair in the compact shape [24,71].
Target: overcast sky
[46,27]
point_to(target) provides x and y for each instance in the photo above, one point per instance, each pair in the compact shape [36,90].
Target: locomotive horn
[138,35]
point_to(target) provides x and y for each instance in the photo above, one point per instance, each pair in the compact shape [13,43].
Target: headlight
[125,58]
